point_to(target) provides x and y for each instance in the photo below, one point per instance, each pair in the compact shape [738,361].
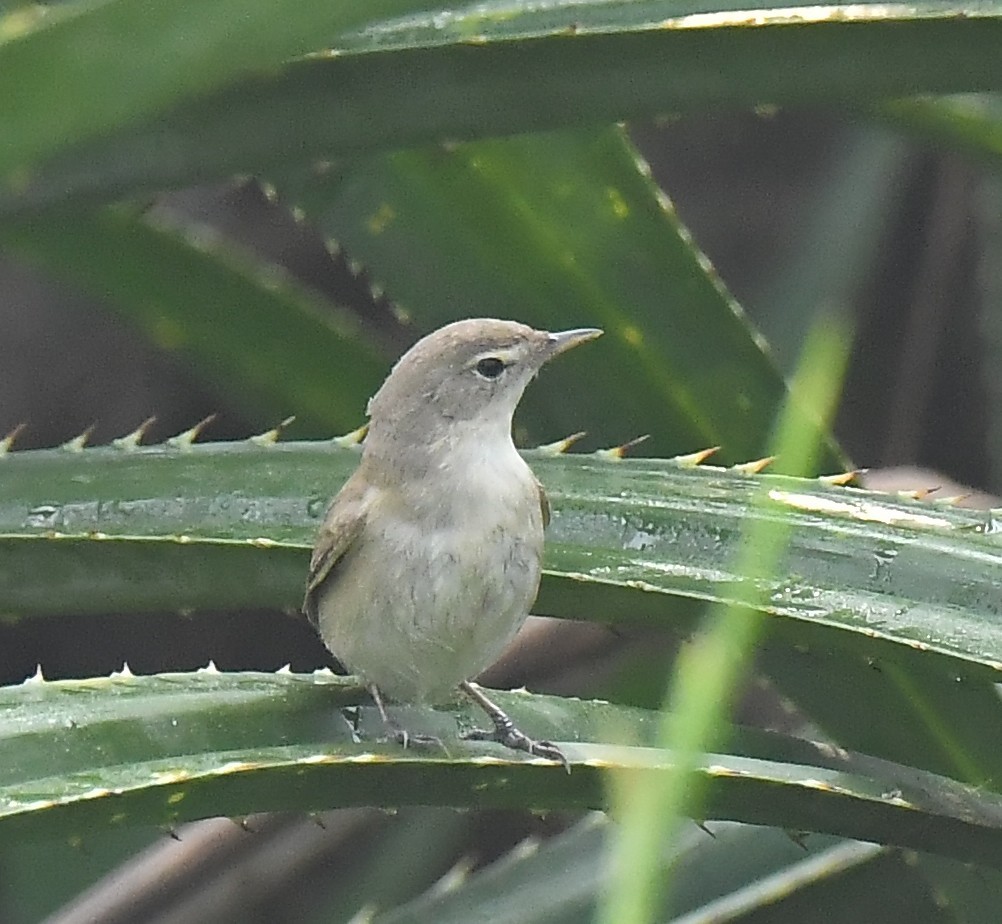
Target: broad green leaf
[639,541]
[487,69]
[110,62]
[568,228]
[157,750]
[564,230]
[264,342]
[915,717]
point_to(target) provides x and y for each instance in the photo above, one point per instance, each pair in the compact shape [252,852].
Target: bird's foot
[506,733]
[511,737]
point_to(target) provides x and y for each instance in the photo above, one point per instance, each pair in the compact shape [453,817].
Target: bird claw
[505,731]
[400,735]
[511,737]
[406,740]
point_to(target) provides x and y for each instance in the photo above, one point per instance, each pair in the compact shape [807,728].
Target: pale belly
[416,610]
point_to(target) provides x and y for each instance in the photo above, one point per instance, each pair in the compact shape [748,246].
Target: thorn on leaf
[918,494]
[132,440]
[692,459]
[270,437]
[560,446]
[185,439]
[753,467]
[799,838]
[8,440]
[78,442]
[841,479]
[615,453]
[351,439]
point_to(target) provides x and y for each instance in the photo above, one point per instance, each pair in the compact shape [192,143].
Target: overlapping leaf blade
[630,540]
[267,344]
[563,230]
[171,747]
[516,67]
[113,62]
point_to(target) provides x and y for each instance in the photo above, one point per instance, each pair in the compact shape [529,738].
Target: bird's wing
[342,525]
[544,505]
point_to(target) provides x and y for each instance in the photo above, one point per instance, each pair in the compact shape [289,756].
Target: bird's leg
[403,737]
[505,732]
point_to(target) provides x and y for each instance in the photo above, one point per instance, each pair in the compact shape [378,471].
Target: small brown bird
[428,559]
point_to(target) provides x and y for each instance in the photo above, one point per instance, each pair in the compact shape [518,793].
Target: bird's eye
[490,367]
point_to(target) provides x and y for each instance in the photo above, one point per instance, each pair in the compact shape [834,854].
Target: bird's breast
[441,579]
[476,485]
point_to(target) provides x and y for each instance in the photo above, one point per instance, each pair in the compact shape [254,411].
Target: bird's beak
[565,340]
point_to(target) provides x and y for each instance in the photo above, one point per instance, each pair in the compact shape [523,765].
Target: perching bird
[428,559]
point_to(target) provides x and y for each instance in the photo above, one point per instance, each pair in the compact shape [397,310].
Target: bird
[428,559]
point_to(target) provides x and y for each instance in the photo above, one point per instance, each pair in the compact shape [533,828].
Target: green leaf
[264,342]
[110,62]
[635,540]
[913,716]
[487,69]
[414,849]
[157,750]
[563,230]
